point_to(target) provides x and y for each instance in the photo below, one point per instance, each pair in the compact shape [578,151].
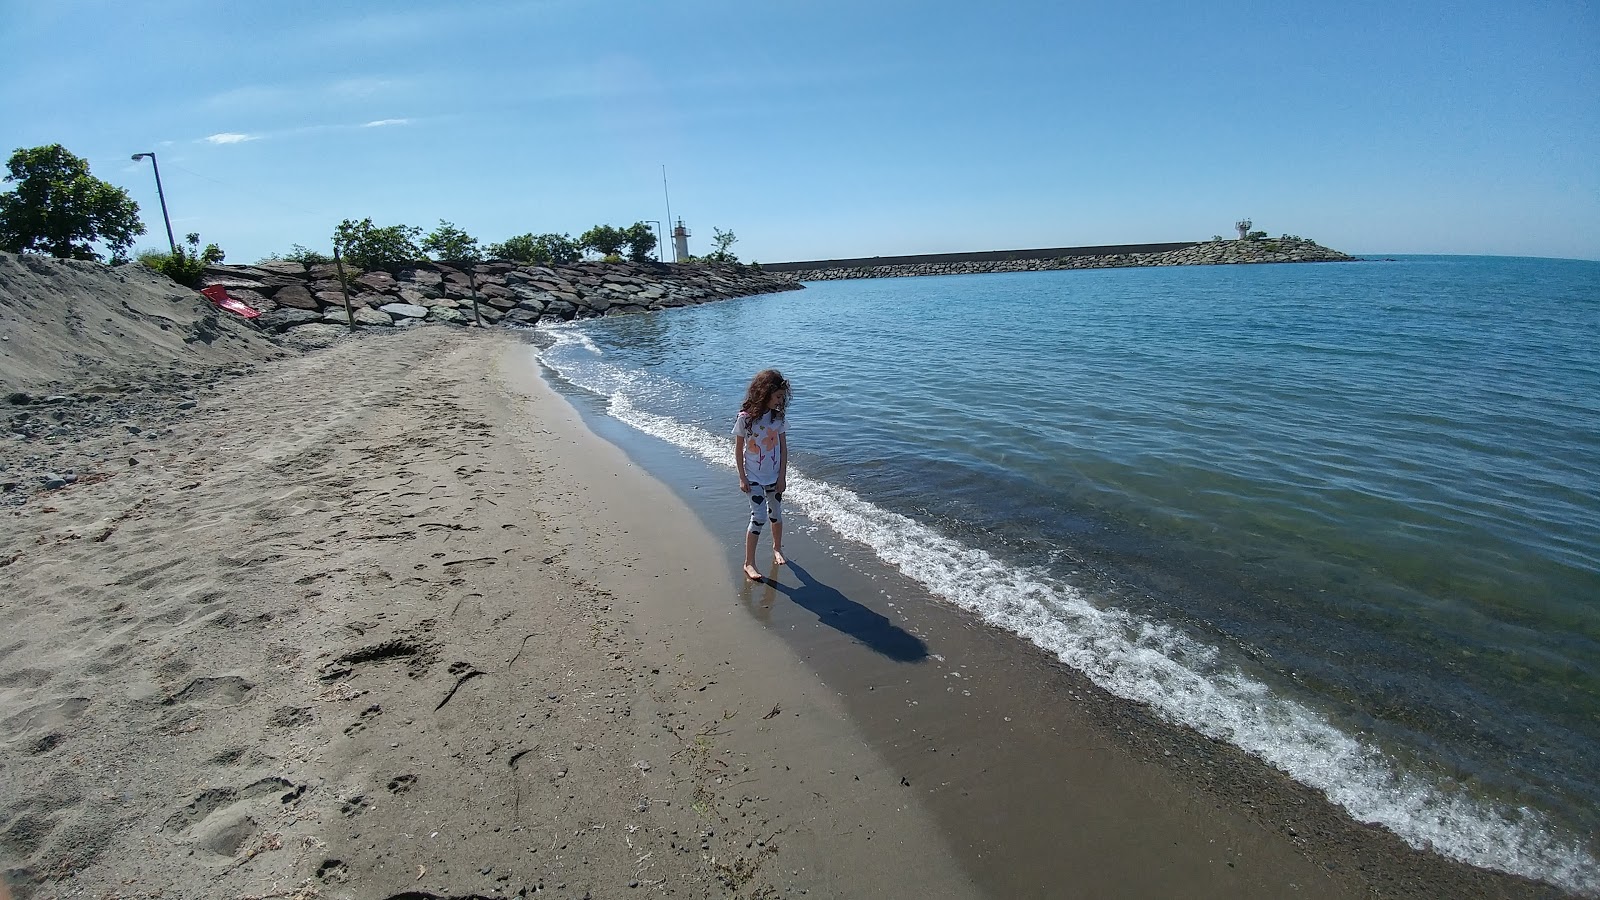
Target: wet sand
[389,620]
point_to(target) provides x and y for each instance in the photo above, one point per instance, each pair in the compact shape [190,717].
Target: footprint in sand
[217,691]
[360,724]
[210,800]
[220,822]
[354,806]
[333,871]
[290,717]
[414,646]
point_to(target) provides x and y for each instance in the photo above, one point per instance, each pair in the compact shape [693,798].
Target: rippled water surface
[1346,516]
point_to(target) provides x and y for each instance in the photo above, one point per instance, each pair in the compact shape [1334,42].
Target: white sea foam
[1138,659]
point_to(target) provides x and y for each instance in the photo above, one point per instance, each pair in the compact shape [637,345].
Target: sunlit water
[1344,516]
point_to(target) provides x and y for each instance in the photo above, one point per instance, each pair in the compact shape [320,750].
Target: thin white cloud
[230,137]
[383,123]
[262,99]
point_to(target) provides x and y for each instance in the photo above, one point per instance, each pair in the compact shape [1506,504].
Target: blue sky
[825,129]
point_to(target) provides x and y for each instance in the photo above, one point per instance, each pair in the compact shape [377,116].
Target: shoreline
[1274,822]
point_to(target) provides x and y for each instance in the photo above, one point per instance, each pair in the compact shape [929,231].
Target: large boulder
[295,296]
[283,267]
[363,315]
[287,317]
[404,310]
[376,281]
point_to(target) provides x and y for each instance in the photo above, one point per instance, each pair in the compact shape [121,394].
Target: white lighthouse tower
[680,242]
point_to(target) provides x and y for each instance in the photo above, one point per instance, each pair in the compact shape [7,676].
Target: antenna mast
[666,194]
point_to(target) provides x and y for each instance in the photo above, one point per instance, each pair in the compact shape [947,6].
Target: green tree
[447,242]
[60,209]
[720,242]
[604,240]
[370,247]
[187,265]
[641,240]
[538,249]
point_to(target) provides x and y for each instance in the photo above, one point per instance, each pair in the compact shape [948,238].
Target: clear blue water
[1345,516]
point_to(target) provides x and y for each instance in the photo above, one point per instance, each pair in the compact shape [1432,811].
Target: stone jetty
[292,294]
[1204,253]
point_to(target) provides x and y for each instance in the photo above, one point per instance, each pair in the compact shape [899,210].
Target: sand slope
[66,322]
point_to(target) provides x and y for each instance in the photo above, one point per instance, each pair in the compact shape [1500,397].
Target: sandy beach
[389,619]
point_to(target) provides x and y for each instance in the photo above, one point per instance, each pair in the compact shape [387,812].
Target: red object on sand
[218,295]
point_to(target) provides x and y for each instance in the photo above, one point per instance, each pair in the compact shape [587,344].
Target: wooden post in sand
[344,285]
[472,284]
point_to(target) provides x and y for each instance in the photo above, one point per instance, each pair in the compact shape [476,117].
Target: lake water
[1345,516]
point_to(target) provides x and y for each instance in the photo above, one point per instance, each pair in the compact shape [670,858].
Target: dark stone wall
[979,256]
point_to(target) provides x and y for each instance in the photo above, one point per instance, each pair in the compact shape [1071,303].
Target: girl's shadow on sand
[839,612]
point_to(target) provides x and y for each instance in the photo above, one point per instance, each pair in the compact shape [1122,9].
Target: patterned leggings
[765,495]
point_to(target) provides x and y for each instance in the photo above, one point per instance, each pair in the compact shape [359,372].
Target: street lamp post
[159,193]
[660,242]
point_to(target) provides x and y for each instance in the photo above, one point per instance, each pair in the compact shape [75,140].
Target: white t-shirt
[762,453]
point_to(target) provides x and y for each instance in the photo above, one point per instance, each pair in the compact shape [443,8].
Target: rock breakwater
[1206,253]
[291,294]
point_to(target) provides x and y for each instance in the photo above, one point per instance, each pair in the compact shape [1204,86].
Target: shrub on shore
[447,242]
[367,246]
[187,265]
[538,249]
[301,254]
[720,242]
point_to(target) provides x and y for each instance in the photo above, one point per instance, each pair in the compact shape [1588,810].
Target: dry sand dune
[69,324]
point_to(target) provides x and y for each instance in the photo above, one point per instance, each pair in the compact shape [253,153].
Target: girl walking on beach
[761,454]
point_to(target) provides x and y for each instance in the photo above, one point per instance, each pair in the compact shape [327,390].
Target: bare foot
[751,572]
[778,558]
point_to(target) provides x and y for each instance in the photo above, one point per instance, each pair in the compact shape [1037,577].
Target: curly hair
[759,395]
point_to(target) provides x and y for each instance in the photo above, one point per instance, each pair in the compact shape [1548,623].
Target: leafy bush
[187,265]
[370,247]
[720,242]
[538,249]
[641,240]
[605,240]
[447,242]
[300,254]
